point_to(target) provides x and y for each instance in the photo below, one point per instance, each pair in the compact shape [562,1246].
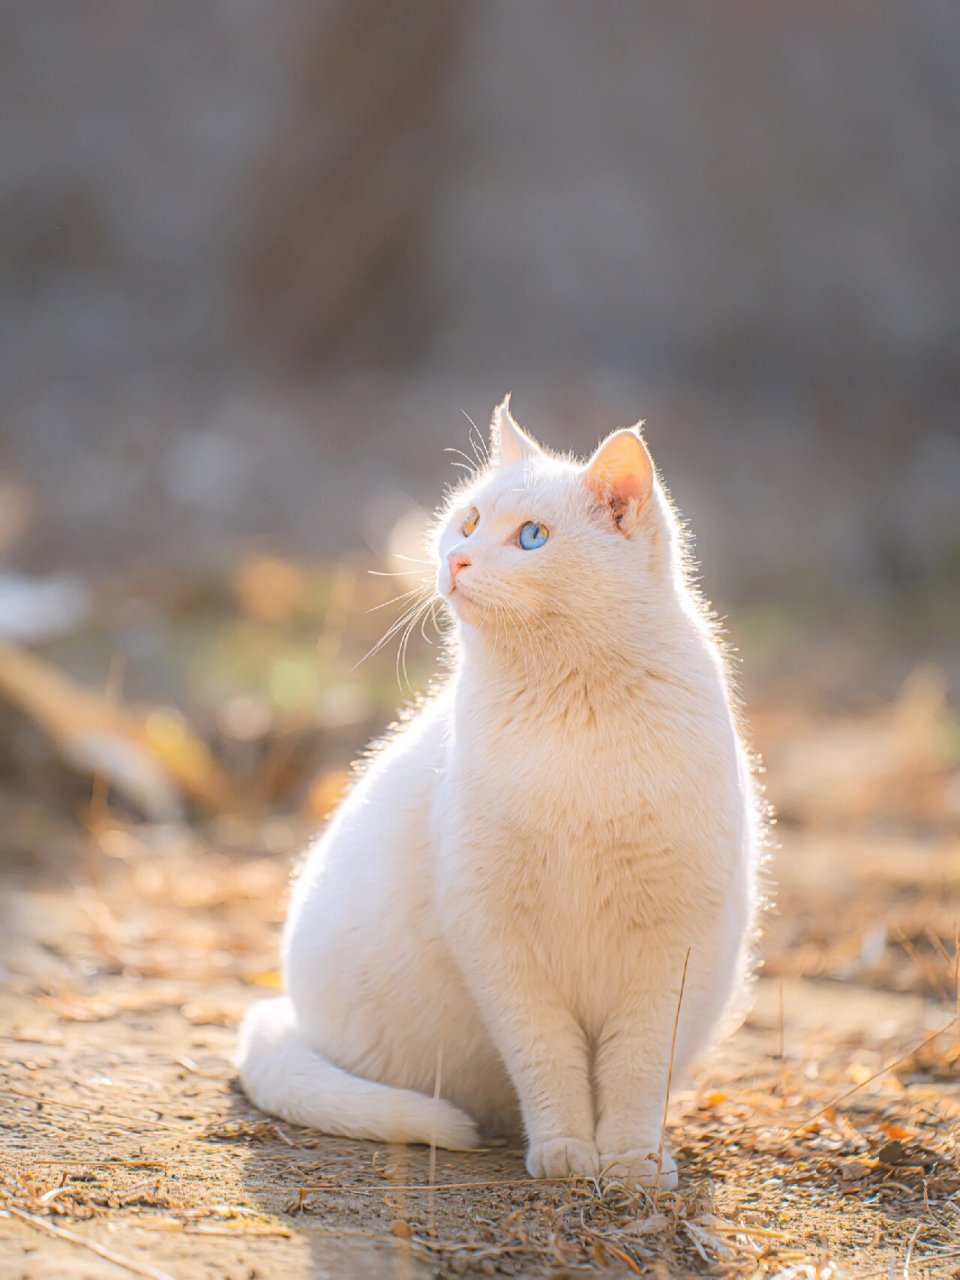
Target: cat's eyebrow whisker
[483,453]
[468,463]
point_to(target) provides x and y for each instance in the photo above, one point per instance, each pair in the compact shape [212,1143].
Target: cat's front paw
[640,1165]
[561,1157]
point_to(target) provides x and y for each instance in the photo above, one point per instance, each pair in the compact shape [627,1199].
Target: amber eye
[471,522]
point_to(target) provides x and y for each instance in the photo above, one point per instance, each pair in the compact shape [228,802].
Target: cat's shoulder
[421,720]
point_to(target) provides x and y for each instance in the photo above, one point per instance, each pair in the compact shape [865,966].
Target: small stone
[401,1229]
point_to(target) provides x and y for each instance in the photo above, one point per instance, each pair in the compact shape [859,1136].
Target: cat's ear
[620,473]
[509,444]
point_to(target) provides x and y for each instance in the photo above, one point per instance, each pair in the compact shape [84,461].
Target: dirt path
[120,1123]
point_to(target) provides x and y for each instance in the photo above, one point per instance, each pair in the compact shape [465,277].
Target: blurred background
[261,261]
[258,259]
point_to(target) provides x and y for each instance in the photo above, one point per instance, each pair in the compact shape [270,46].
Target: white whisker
[390,573]
[534,643]
[412,559]
[402,596]
[412,611]
[402,651]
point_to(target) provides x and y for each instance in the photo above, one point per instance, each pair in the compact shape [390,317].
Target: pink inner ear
[620,470]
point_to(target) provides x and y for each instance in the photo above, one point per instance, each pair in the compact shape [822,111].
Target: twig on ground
[434,1186]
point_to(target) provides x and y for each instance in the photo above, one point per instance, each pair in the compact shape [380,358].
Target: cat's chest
[608,803]
[595,828]
[603,774]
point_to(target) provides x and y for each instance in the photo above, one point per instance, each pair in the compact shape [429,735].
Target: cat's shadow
[366,1208]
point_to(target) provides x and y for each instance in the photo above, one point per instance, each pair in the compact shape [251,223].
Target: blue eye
[533,534]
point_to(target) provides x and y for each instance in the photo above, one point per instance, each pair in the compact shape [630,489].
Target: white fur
[508,894]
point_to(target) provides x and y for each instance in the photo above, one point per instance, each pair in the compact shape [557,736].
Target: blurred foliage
[247,692]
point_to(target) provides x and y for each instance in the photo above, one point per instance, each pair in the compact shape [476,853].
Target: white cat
[495,924]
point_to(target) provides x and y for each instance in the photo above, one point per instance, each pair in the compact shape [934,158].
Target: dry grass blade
[673,1050]
[102,1164]
[438,1077]
[889,1066]
[909,1255]
[614,1251]
[435,1186]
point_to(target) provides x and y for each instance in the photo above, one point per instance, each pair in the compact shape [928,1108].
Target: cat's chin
[465,606]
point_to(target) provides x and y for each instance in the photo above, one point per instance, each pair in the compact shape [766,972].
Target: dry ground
[823,1139]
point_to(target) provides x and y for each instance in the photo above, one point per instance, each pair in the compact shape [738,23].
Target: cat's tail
[282,1075]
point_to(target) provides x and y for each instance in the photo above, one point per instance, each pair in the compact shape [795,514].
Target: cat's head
[540,538]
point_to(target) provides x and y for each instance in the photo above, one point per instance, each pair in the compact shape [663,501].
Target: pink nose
[457,561]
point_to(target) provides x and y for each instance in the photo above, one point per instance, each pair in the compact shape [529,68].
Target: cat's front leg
[631,1069]
[542,1045]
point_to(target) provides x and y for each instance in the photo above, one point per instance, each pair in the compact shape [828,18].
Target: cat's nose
[457,561]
